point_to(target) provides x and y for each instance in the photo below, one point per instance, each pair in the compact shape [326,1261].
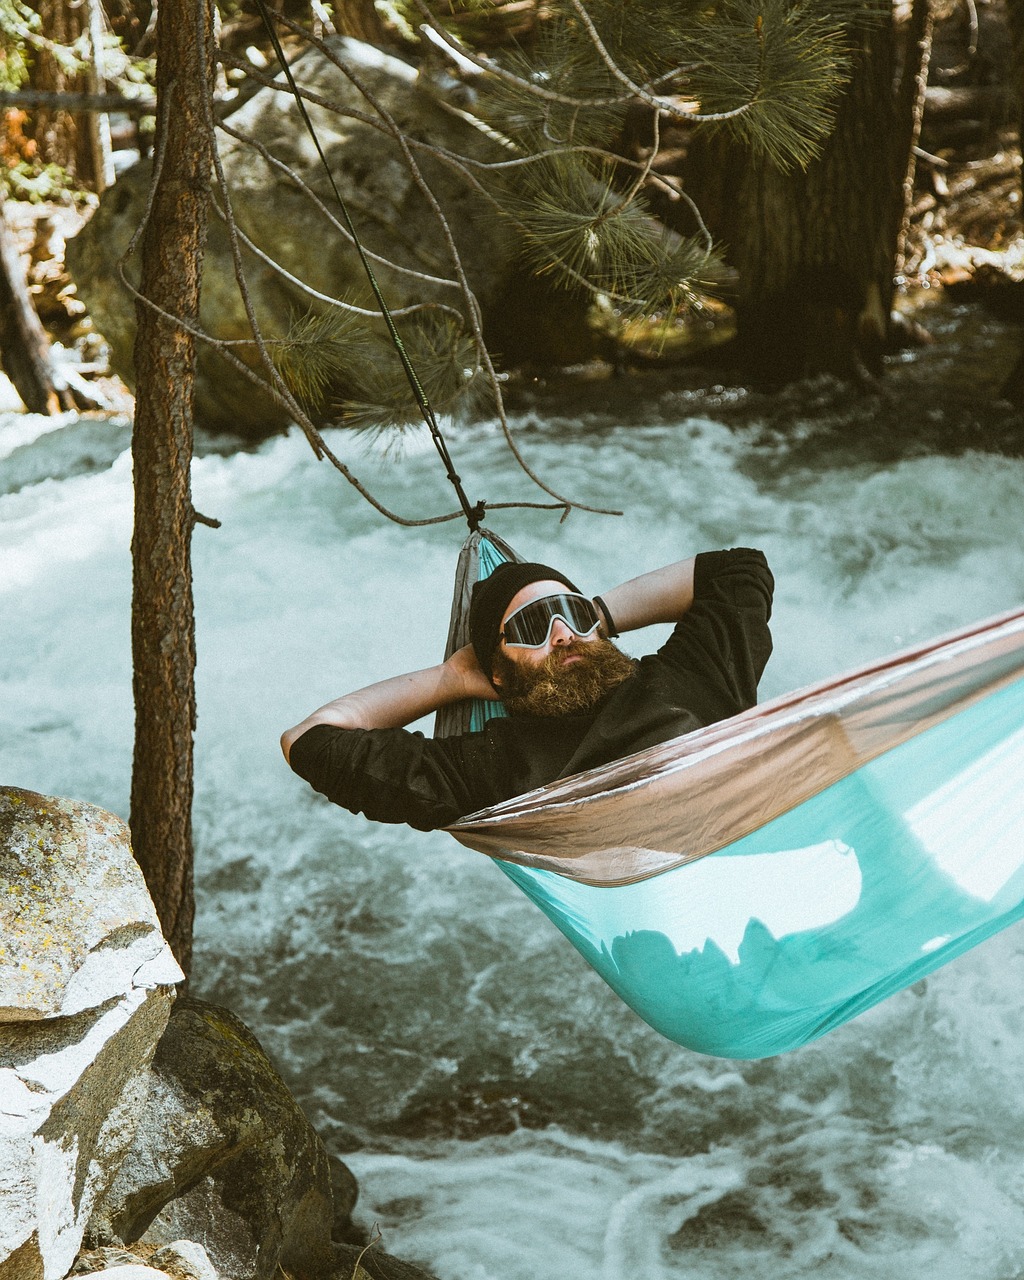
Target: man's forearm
[663,595]
[394,703]
[389,704]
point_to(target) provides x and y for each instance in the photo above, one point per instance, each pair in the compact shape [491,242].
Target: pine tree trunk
[24,346]
[816,249]
[79,143]
[56,132]
[163,634]
[360,19]
[97,123]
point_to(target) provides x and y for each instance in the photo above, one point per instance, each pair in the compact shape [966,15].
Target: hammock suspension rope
[474,514]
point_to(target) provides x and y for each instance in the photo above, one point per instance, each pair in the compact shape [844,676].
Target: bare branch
[646,167]
[370,313]
[635,91]
[483,355]
[312,196]
[509,77]
[77,101]
[664,105]
[276,388]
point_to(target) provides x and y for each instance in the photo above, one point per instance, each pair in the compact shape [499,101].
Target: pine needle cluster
[320,348]
[341,369]
[766,70]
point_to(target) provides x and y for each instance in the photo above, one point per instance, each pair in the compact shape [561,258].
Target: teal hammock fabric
[749,887]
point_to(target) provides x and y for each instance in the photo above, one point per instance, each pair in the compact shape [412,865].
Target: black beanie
[492,596]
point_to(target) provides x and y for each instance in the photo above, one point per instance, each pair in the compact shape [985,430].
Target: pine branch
[783,62]
[316,349]
[445,358]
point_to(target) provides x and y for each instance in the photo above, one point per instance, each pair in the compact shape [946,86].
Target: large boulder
[392,217]
[182,1260]
[224,1157]
[86,984]
[185,1260]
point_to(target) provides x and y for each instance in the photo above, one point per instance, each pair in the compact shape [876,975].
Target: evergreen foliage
[555,103]
[322,347]
[769,71]
[18,25]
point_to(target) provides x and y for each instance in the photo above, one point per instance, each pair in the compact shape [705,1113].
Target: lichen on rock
[86,985]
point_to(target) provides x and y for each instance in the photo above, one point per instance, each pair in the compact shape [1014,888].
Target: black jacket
[706,671]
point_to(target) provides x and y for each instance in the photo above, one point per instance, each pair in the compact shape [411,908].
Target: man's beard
[555,688]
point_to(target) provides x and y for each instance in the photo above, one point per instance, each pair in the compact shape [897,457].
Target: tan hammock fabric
[668,805]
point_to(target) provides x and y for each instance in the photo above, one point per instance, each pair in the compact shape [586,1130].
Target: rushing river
[507,1117]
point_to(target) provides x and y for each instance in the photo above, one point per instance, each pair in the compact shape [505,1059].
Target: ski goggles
[530,626]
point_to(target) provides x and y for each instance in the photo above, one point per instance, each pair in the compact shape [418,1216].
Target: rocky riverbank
[141,1132]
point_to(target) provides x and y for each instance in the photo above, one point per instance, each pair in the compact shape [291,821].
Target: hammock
[748,887]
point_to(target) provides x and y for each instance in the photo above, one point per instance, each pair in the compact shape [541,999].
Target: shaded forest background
[938,211]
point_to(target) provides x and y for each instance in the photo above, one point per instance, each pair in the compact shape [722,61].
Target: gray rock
[224,1157]
[77,926]
[391,216]
[345,1191]
[181,1260]
[132,1271]
[86,984]
[184,1260]
[100,1259]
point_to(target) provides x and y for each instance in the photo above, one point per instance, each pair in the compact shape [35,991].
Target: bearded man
[574,700]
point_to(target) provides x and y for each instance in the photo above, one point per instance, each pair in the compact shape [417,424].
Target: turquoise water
[506,1114]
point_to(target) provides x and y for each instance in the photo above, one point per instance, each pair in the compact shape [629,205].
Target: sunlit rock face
[393,220]
[181,1260]
[86,985]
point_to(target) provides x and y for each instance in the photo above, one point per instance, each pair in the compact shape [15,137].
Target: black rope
[474,514]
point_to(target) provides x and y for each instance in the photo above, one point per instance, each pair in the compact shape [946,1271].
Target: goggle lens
[530,626]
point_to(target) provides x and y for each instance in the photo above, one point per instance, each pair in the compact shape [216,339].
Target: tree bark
[815,250]
[163,633]
[24,346]
[360,19]
[56,132]
[98,122]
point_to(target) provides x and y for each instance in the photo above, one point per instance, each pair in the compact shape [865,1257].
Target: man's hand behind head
[465,671]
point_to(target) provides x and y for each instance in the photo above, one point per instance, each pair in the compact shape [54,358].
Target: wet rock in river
[224,1156]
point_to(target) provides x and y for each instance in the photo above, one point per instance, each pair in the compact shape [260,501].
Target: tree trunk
[1013,387]
[56,132]
[163,634]
[360,19]
[97,123]
[24,347]
[815,250]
